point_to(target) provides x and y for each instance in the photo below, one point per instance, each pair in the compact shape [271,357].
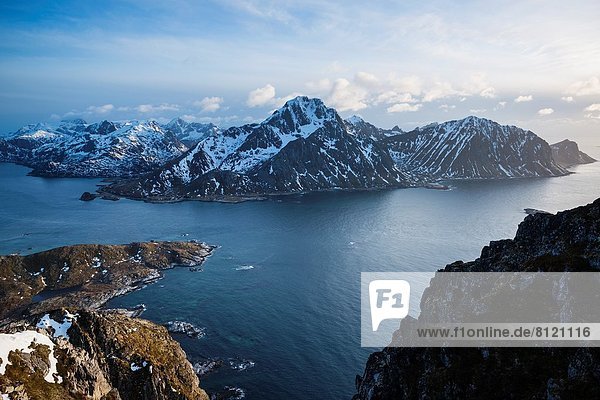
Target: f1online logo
[389,299]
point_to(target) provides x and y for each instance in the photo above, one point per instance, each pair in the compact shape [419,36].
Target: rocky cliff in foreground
[94,355]
[567,241]
[55,343]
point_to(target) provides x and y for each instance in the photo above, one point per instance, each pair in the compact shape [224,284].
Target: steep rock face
[567,241]
[96,355]
[86,276]
[473,148]
[567,154]
[105,149]
[304,146]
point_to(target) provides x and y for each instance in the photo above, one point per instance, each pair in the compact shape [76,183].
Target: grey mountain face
[473,148]
[566,154]
[304,146]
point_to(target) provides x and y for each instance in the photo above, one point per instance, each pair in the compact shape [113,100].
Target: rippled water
[295,313]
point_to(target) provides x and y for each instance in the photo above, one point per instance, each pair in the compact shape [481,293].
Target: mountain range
[75,148]
[303,146]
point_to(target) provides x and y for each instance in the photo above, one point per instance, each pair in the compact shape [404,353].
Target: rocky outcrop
[102,355]
[567,154]
[86,276]
[567,241]
[47,352]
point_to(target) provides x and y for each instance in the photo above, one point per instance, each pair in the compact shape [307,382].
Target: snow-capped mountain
[473,148]
[190,133]
[567,153]
[360,127]
[104,149]
[303,146]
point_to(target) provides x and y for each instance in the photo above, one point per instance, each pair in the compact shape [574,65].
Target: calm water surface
[296,312]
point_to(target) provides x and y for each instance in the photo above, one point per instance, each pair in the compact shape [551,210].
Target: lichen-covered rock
[567,241]
[106,355]
[86,276]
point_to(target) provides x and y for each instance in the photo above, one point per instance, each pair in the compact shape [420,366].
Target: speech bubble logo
[389,299]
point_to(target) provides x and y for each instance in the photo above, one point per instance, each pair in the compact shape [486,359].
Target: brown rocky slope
[84,353]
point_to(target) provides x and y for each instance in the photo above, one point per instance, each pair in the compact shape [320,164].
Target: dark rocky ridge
[567,241]
[107,354]
[473,148]
[567,153]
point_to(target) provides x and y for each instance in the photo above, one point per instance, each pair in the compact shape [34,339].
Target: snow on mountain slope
[473,148]
[359,126]
[303,146]
[105,149]
[190,133]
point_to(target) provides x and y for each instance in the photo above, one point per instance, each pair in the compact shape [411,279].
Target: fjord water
[296,312]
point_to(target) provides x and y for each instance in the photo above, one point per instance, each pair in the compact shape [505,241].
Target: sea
[279,299]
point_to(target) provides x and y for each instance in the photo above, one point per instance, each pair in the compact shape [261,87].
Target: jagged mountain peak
[101,128]
[299,112]
[354,120]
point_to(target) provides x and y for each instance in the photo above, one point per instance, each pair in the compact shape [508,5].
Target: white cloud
[345,96]
[261,96]
[408,84]
[440,90]
[150,108]
[523,99]
[394,97]
[568,99]
[404,107]
[366,79]
[489,93]
[209,104]
[500,105]
[446,107]
[106,108]
[593,111]
[585,88]
[545,111]
[477,110]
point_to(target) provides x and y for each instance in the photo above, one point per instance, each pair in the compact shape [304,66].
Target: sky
[531,63]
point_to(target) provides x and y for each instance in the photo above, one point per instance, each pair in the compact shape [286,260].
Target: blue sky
[532,63]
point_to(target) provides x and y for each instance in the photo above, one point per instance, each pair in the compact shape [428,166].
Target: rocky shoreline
[97,354]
